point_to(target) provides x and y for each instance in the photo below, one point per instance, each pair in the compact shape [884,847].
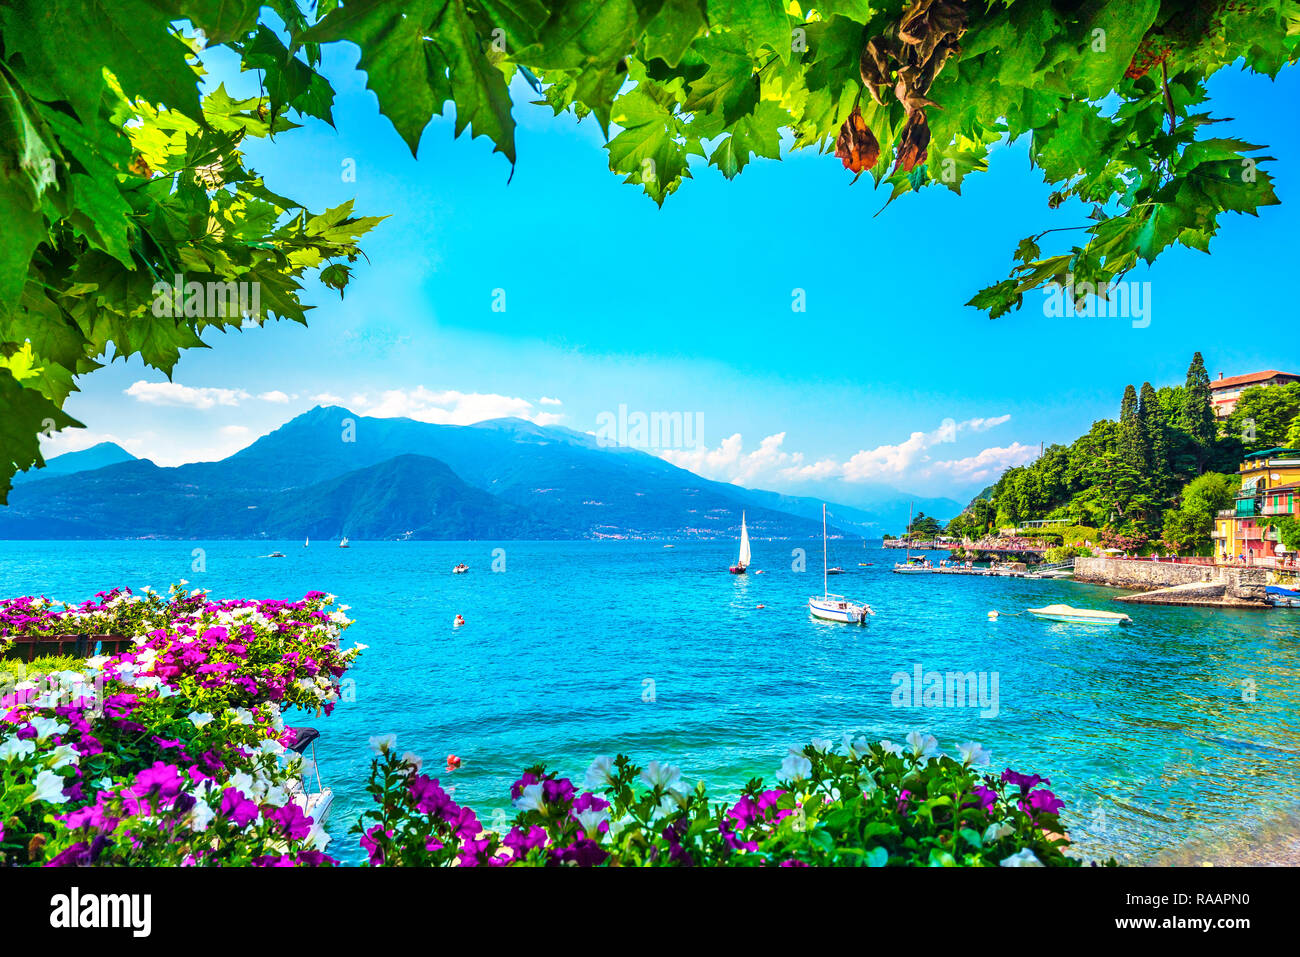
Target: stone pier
[1170,583]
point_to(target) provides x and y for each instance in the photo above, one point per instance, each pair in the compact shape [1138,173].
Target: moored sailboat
[743,561]
[830,607]
[344,543]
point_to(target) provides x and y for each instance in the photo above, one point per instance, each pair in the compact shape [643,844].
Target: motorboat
[1080,616]
[1280,597]
[315,803]
[460,569]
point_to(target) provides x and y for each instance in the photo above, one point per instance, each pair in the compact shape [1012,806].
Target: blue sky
[611,301]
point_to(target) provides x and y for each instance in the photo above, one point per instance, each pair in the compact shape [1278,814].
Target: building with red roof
[1224,393]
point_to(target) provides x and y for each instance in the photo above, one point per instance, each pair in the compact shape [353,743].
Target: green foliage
[1288,531]
[863,805]
[924,527]
[1265,416]
[1122,475]
[118,182]
[1061,553]
[1196,417]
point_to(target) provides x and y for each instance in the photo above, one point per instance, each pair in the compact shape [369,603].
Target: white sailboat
[306,542]
[836,607]
[743,561]
[913,566]
[344,543]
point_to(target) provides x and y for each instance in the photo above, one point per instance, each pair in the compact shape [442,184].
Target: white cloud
[730,463]
[909,459]
[986,465]
[235,431]
[275,395]
[327,398]
[175,394]
[450,407]
[547,400]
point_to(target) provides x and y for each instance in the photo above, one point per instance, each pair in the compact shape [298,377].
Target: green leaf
[477,86]
[670,33]
[588,38]
[654,146]
[1111,37]
[759,134]
[24,413]
[134,36]
[221,20]
[411,85]
[288,80]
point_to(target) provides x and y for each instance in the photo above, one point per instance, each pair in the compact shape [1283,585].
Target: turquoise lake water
[1148,732]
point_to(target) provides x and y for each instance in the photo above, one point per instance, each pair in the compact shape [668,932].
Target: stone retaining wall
[1130,573]
[1232,584]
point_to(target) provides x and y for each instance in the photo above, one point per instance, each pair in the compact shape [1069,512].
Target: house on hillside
[1224,393]
[1270,488]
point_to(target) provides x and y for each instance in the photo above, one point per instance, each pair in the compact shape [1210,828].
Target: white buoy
[993,615]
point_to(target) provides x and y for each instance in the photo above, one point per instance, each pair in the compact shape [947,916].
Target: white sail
[744,543]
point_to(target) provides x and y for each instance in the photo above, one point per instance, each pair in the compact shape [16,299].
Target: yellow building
[1270,487]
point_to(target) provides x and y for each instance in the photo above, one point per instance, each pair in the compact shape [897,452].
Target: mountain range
[330,472]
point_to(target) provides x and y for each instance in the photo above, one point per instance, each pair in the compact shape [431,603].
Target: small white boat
[307,542]
[743,561]
[316,804]
[913,566]
[1280,597]
[344,543]
[836,607]
[1079,616]
[670,546]
[460,569]
[276,555]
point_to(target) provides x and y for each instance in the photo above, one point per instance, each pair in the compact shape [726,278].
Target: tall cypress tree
[1132,440]
[1197,418]
[1152,418]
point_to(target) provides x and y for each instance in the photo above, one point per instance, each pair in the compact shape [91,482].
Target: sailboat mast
[908,535]
[825,589]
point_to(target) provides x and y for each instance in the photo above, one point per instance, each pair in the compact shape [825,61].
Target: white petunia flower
[16,748]
[591,819]
[201,815]
[997,831]
[413,760]
[243,716]
[381,743]
[923,745]
[892,748]
[664,776]
[795,767]
[64,755]
[821,745]
[974,754]
[530,799]
[47,727]
[49,787]
[1022,858]
[856,747]
[200,718]
[600,773]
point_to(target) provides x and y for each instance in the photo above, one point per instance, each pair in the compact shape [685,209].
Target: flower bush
[116,612]
[173,752]
[862,805]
